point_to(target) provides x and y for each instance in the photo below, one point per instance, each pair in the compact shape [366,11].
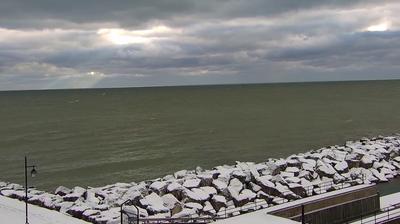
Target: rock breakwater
[208,193]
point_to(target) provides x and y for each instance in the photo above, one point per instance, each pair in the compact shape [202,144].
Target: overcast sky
[101,43]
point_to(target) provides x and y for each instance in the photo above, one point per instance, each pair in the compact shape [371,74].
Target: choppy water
[103,136]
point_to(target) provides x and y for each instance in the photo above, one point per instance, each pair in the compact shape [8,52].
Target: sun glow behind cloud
[123,37]
[379,27]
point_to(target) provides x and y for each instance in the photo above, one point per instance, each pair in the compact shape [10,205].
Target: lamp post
[33,174]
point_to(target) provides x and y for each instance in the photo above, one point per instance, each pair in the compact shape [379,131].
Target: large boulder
[298,189]
[77,193]
[293,169]
[180,174]
[367,161]
[186,212]
[177,190]
[88,215]
[325,170]
[273,168]
[62,191]
[170,202]
[17,194]
[111,216]
[91,199]
[154,204]
[159,187]
[78,210]
[209,209]
[243,197]
[132,194]
[196,195]
[218,202]
[265,196]
[267,186]
[381,177]
[254,187]
[192,205]
[45,200]
[293,162]
[192,183]
[236,185]
[221,187]
[63,206]
[285,192]
[206,179]
[342,167]
[209,190]
[240,175]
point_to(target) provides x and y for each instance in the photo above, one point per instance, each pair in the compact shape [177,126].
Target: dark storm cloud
[128,13]
[99,43]
[365,48]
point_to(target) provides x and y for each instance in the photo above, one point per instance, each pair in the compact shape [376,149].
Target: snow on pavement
[12,211]
[389,200]
[257,217]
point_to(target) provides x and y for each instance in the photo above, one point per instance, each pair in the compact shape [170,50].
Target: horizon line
[204,85]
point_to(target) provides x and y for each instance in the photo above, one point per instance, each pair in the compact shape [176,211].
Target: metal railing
[381,216]
[198,220]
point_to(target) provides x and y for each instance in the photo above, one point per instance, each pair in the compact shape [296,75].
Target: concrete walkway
[12,211]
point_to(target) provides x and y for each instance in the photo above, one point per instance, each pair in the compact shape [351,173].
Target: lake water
[102,136]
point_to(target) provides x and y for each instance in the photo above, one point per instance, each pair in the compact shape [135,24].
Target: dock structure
[334,207]
[389,212]
[339,206]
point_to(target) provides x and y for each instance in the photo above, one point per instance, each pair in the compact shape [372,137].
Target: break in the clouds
[82,44]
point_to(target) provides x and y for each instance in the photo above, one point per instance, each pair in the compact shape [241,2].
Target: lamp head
[33,172]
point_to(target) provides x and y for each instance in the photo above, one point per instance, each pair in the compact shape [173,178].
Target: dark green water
[102,136]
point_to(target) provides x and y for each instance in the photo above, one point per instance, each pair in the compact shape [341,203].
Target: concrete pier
[333,207]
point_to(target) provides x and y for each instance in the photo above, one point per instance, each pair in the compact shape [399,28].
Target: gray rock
[218,202]
[62,191]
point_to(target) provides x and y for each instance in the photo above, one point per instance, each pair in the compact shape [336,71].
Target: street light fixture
[33,174]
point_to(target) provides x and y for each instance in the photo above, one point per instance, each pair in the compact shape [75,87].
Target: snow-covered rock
[381,177]
[192,183]
[62,191]
[77,193]
[192,205]
[218,202]
[243,197]
[159,187]
[367,161]
[177,190]
[209,209]
[185,213]
[342,167]
[325,170]
[197,195]
[154,204]
[173,204]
